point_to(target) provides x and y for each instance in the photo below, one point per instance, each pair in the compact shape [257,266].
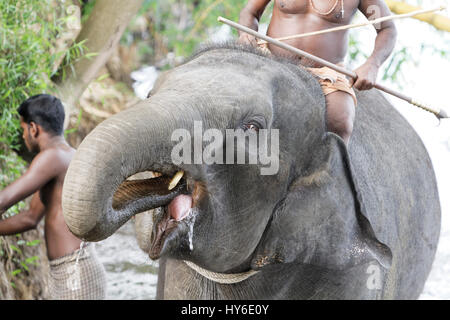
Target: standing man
[42,120]
[301,16]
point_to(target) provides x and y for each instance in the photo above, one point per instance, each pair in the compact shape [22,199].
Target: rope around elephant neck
[223,278]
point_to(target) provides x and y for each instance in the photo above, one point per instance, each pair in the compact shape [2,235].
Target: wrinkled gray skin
[319,229]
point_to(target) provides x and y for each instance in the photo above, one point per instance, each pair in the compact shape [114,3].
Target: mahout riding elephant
[332,223]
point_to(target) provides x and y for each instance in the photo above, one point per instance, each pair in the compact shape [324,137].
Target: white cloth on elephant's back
[144,80]
[85,280]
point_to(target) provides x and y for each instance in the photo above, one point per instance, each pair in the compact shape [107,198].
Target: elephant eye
[251,126]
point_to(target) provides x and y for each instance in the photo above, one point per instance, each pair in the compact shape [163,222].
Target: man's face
[30,142]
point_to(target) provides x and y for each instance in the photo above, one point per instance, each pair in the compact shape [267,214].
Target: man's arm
[25,220]
[384,43]
[42,169]
[249,17]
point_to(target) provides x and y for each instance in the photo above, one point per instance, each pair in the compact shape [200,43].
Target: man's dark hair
[44,110]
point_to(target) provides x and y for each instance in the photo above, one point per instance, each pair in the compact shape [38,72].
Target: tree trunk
[440,22]
[102,32]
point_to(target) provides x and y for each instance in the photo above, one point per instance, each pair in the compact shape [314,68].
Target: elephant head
[226,217]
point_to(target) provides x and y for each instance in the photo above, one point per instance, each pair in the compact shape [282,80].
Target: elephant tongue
[179,207]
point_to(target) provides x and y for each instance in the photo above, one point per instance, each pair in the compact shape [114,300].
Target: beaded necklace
[331,10]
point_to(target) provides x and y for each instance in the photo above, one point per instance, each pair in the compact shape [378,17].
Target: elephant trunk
[97,199]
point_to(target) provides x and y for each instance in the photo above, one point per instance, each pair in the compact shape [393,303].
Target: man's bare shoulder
[55,159]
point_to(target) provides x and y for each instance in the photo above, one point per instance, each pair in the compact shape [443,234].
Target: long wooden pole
[358,25]
[439,113]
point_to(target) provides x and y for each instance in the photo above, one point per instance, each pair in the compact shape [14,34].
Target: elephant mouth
[164,224]
[178,195]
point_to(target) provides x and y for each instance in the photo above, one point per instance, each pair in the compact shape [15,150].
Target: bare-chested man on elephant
[301,16]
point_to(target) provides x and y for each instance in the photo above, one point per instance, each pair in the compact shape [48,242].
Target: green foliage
[22,264]
[87,9]
[24,41]
[29,32]
[394,65]
[73,54]
[180,26]
[11,169]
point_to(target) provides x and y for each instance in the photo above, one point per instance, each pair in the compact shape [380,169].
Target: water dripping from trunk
[191,232]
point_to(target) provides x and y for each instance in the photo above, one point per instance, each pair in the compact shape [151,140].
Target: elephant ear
[321,221]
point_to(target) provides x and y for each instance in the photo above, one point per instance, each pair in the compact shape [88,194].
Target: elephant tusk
[176,178]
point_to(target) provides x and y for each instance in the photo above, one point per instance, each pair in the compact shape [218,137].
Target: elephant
[333,222]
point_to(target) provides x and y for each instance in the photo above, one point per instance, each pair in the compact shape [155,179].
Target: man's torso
[299,16]
[60,241]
